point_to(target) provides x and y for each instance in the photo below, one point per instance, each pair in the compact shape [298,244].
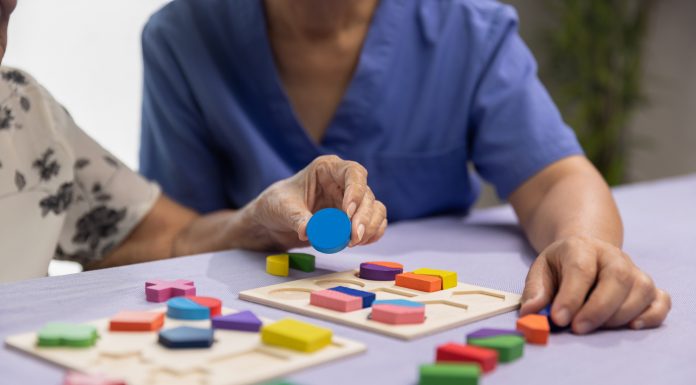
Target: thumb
[538,288]
[299,220]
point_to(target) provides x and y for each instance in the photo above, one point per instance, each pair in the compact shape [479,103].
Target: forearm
[222,230]
[171,230]
[567,199]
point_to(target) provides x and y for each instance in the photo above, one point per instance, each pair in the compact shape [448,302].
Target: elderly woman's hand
[596,285]
[278,216]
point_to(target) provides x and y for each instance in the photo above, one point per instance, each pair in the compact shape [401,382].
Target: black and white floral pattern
[46,166]
[70,179]
[58,202]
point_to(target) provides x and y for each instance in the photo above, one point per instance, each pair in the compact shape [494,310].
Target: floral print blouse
[61,194]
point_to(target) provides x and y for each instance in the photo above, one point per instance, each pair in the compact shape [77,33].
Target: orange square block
[535,328]
[335,300]
[421,282]
[136,321]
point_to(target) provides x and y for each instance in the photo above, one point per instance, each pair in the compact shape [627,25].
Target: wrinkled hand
[279,215]
[619,293]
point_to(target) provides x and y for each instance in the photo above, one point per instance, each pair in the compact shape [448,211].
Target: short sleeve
[105,200]
[176,150]
[517,129]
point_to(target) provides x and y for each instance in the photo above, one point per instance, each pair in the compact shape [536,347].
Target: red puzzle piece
[214,304]
[136,321]
[453,352]
[159,291]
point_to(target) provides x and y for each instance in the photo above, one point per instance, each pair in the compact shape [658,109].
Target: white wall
[87,53]
[662,133]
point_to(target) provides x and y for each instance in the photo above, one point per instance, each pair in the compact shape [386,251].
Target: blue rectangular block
[554,328]
[367,297]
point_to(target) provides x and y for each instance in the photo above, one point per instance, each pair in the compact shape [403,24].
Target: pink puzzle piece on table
[398,315]
[335,300]
[160,291]
[77,378]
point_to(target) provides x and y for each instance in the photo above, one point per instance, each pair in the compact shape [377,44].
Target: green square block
[509,347]
[449,374]
[66,334]
[302,261]
[279,382]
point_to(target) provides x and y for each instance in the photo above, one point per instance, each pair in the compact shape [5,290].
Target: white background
[87,54]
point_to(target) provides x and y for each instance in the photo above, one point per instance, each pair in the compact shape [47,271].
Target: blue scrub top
[439,85]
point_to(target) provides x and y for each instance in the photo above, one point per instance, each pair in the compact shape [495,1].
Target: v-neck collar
[350,121]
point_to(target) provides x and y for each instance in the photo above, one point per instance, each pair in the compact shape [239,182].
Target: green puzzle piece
[302,261]
[449,374]
[66,334]
[509,347]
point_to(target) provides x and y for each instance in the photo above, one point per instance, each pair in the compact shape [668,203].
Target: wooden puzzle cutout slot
[165,376]
[329,283]
[291,293]
[478,296]
[443,308]
[257,358]
[387,293]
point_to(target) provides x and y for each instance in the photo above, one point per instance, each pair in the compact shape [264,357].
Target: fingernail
[361,232]
[351,209]
[583,327]
[563,317]
[638,325]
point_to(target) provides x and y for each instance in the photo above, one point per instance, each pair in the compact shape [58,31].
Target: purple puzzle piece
[378,273]
[244,321]
[487,333]
[159,291]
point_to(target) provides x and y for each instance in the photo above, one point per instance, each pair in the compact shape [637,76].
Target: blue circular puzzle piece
[184,308]
[398,302]
[329,230]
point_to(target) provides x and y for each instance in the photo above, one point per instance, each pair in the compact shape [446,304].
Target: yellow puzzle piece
[278,264]
[296,335]
[449,278]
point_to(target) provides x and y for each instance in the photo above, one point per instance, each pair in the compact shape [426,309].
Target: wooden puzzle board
[235,358]
[444,309]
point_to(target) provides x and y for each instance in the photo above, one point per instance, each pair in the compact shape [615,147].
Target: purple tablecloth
[486,249]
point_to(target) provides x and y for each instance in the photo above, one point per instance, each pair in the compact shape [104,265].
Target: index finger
[578,274]
[355,187]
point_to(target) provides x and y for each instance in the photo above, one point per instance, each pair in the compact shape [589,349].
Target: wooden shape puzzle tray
[235,358]
[445,309]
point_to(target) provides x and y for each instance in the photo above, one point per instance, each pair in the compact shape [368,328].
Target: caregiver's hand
[278,216]
[619,293]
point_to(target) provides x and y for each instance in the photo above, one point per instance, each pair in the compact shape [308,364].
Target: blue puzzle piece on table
[329,230]
[367,297]
[186,309]
[243,321]
[554,328]
[398,302]
[183,337]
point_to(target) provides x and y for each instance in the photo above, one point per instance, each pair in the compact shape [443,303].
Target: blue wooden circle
[329,230]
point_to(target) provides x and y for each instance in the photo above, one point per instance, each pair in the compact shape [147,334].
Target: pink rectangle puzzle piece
[334,300]
[398,315]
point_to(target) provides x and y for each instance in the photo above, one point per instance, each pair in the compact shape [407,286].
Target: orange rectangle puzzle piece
[136,321]
[427,283]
